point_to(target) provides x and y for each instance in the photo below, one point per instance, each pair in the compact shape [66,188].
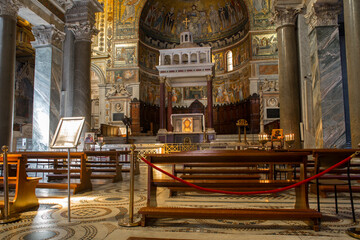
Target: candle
[290,137]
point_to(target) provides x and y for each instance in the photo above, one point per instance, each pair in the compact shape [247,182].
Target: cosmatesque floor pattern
[97,214]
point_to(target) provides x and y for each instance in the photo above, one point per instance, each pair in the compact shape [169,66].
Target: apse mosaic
[207,20]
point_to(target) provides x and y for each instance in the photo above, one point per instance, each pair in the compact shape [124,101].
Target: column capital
[83,31]
[323,14]
[162,79]
[209,78]
[47,35]
[286,14]
[9,8]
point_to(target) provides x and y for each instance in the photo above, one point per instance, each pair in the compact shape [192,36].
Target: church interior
[174,120]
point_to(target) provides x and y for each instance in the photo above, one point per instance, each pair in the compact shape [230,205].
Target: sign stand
[67,136]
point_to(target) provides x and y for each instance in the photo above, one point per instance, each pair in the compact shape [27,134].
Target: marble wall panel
[327,87]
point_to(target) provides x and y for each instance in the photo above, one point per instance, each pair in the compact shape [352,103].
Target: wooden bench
[336,155]
[300,211]
[25,197]
[84,172]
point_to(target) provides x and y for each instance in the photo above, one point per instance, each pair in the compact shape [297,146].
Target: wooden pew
[25,197]
[341,174]
[84,172]
[300,211]
[107,167]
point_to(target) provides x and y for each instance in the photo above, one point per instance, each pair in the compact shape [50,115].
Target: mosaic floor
[96,215]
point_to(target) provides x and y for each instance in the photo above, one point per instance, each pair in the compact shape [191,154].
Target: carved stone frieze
[269,85]
[83,31]
[9,8]
[47,35]
[65,4]
[117,90]
[82,11]
[323,14]
[286,14]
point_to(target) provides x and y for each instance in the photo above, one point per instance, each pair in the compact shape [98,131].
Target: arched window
[229,61]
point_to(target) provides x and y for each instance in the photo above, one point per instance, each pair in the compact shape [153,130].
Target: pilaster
[327,88]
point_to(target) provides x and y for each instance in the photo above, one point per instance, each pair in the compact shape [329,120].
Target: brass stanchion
[7,217]
[131,222]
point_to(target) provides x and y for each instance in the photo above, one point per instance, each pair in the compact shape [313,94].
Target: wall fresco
[233,88]
[149,89]
[125,76]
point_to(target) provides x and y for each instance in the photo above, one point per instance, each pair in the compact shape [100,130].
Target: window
[229,61]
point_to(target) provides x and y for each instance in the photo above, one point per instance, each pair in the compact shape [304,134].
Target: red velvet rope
[253,192]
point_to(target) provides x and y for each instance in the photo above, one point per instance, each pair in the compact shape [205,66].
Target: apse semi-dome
[208,20]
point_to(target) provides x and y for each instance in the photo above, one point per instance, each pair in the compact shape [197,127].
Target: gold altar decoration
[187,124]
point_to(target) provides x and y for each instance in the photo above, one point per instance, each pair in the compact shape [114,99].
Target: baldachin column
[162,105]
[210,102]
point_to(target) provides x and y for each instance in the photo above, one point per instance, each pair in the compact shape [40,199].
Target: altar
[187,128]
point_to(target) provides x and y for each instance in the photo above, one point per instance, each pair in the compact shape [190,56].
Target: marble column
[327,88]
[352,33]
[48,63]
[80,20]
[83,33]
[210,102]
[162,104]
[8,14]
[288,71]
[169,111]
[67,89]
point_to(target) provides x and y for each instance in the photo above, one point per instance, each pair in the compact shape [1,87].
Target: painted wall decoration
[232,89]
[192,93]
[264,45]
[125,76]
[262,14]
[208,20]
[125,54]
[149,89]
[177,95]
[148,58]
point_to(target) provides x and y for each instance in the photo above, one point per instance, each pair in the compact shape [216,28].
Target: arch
[176,59]
[99,72]
[193,58]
